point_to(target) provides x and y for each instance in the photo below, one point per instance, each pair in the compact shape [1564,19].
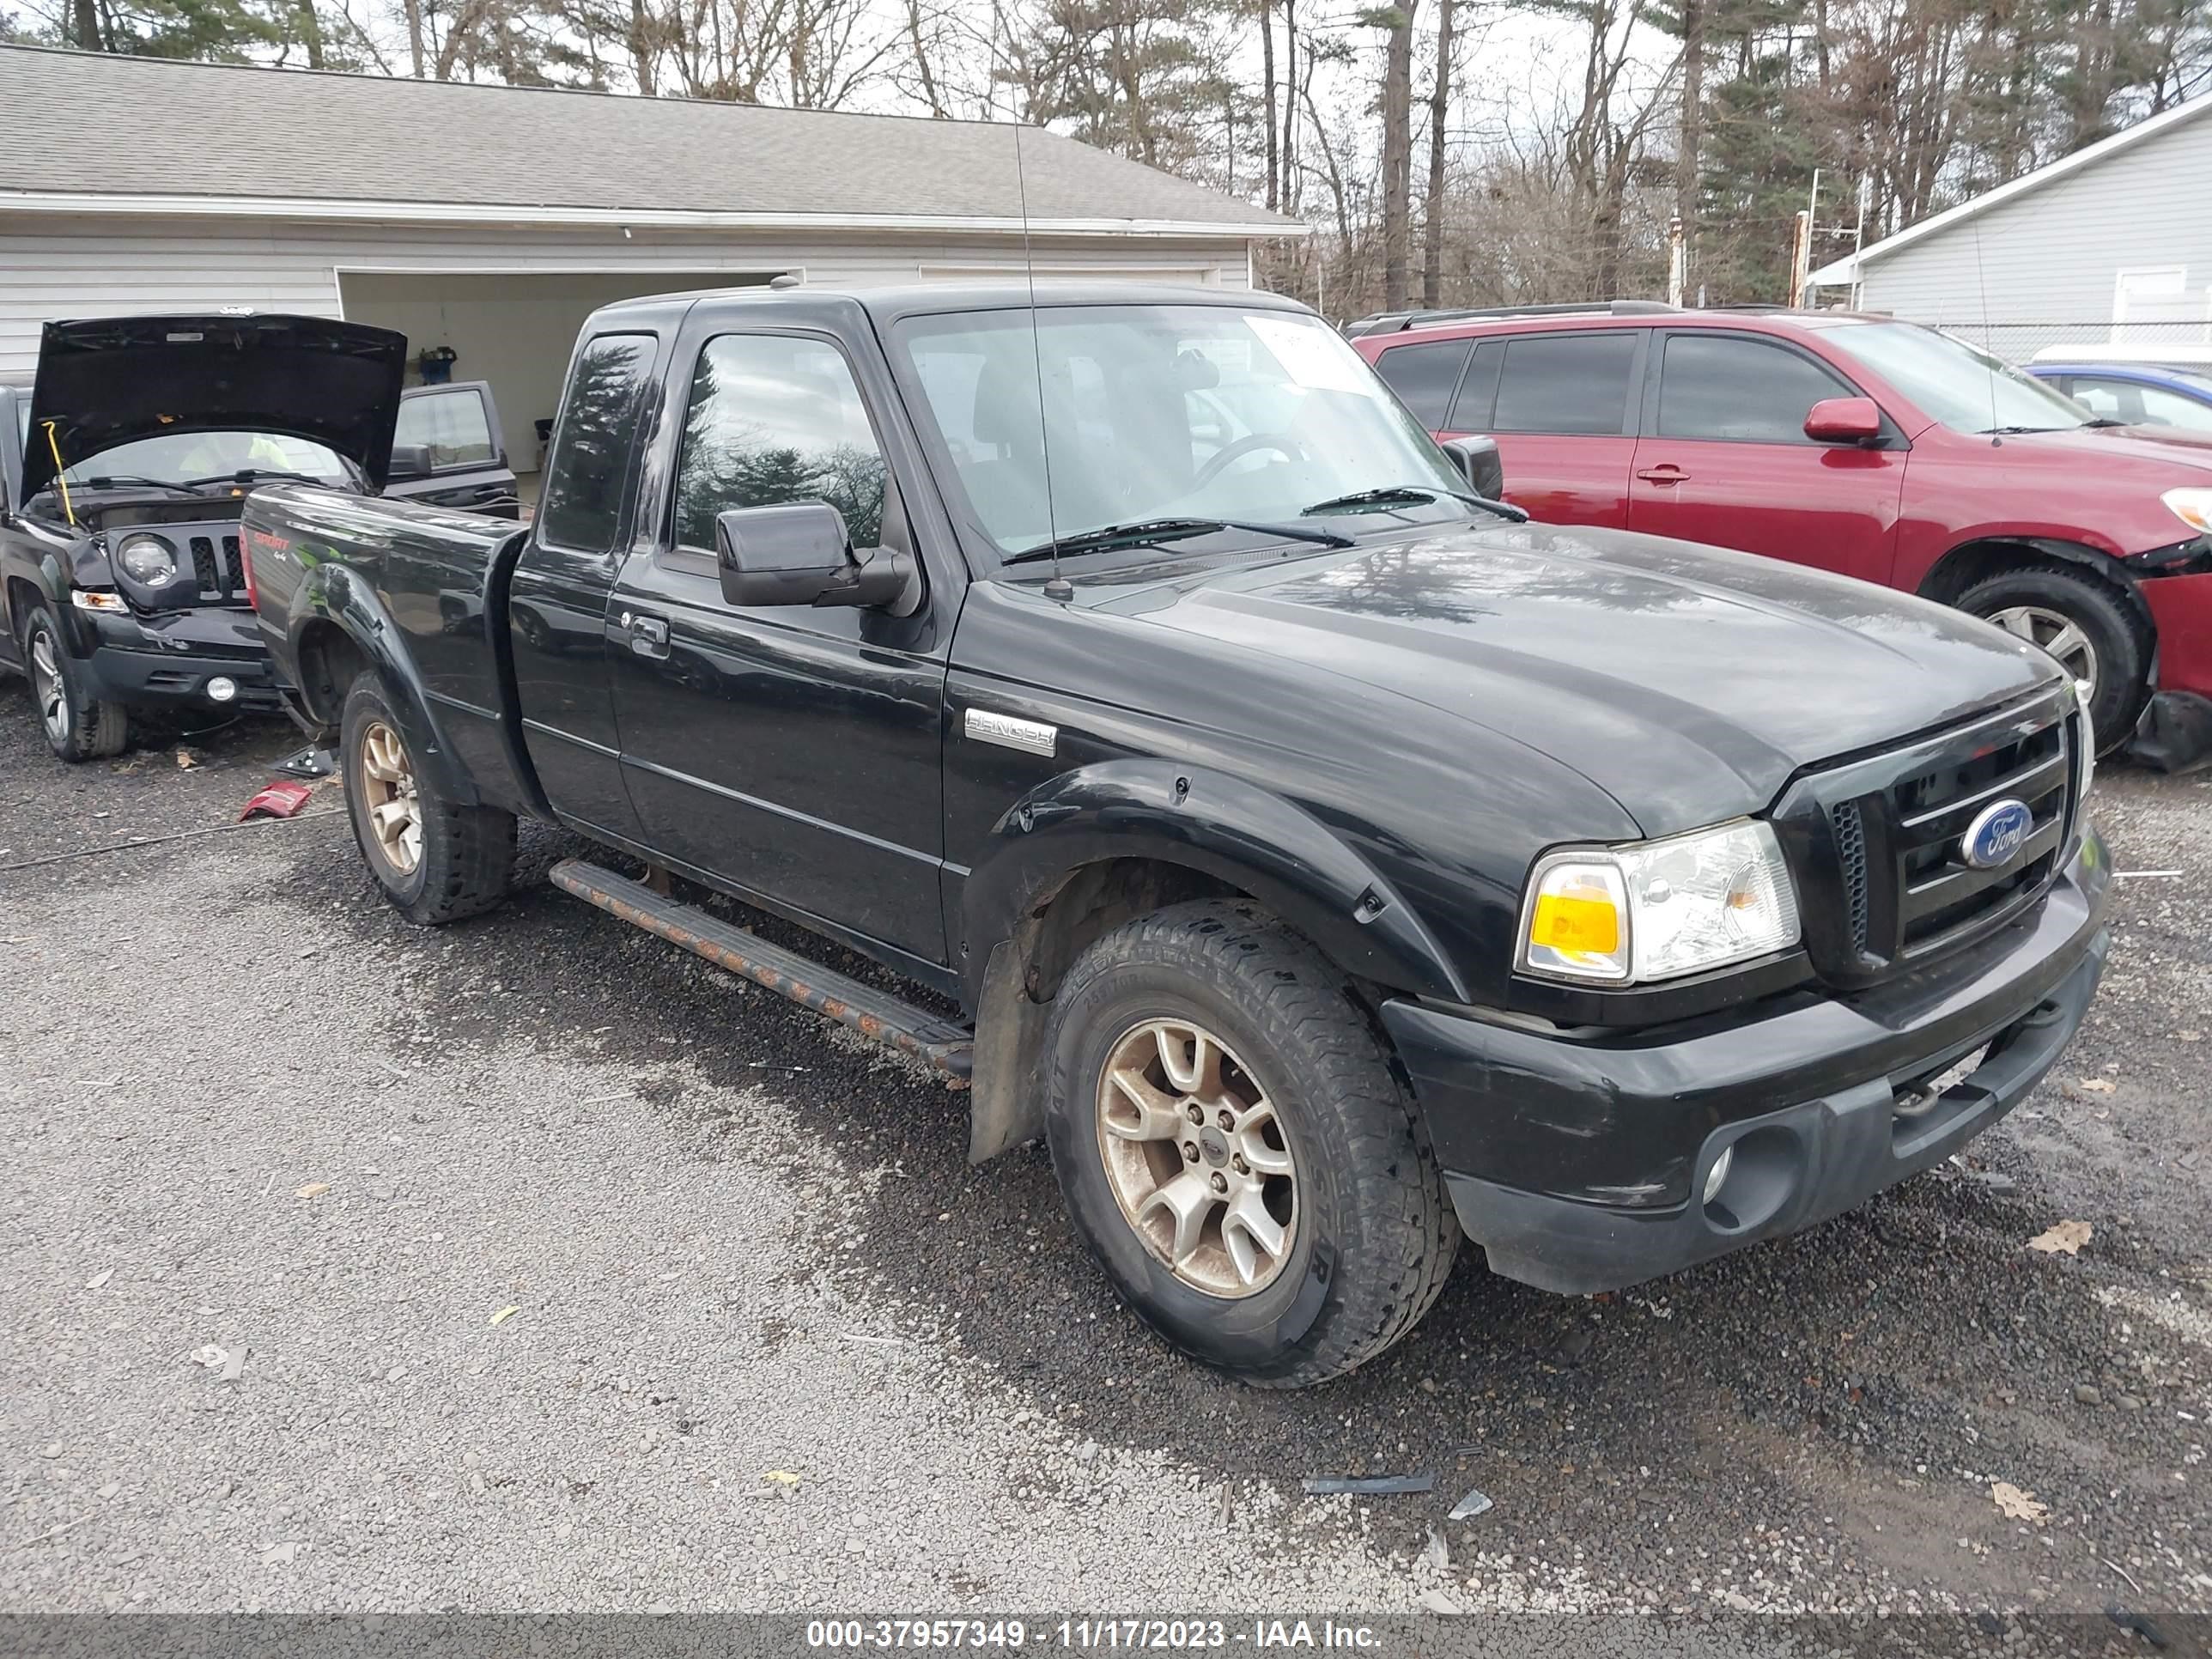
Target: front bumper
[2175,731]
[170,658]
[1573,1162]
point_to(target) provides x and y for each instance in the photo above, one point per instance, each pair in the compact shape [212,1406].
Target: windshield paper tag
[1313,355]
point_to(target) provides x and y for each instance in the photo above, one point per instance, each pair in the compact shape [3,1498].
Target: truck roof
[888,304]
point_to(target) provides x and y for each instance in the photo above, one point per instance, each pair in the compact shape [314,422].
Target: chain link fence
[2131,342]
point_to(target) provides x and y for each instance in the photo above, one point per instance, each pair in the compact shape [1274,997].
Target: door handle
[649,636]
[1666,474]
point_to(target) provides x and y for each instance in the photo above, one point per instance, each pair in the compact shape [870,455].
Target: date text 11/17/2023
[1084,1634]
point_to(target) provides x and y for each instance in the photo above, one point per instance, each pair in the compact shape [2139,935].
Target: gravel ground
[247,1107]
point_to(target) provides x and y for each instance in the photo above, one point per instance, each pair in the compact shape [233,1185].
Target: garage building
[492,219]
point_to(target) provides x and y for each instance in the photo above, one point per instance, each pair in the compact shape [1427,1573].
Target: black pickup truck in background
[1323,860]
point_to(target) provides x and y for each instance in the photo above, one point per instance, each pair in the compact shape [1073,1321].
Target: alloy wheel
[48,688]
[2059,635]
[395,809]
[1196,1157]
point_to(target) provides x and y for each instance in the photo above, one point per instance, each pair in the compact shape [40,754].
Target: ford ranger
[1325,862]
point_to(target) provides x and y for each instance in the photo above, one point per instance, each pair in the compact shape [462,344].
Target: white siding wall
[2052,255]
[54,266]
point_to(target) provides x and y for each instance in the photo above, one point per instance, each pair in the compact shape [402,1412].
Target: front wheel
[435,860]
[78,726]
[2083,622]
[1234,1147]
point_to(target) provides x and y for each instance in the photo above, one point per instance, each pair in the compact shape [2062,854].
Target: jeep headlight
[1658,910]
[146,560]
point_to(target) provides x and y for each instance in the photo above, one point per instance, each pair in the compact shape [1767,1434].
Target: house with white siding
[493,219]
[2111,244]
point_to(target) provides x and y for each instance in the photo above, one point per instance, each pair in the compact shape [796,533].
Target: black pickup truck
[1323,859]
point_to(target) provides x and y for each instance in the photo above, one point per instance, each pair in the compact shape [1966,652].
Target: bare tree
[1433,261]
[1397,151]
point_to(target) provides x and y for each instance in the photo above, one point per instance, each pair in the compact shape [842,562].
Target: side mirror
[801,554]
[1844,420]
[1478,462]
[409,462]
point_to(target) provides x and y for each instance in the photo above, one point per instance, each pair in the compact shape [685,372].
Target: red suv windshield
[1966,390]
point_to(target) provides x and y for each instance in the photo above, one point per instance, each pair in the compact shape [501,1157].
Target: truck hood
[109,380]
[1689,683]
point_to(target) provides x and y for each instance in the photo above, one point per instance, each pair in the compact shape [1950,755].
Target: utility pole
[1675,261]
[1800,257]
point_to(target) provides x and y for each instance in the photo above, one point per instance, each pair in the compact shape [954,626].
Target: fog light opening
[221,689]
[1717,1178]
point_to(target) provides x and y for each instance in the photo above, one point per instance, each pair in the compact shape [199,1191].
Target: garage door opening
[511,329]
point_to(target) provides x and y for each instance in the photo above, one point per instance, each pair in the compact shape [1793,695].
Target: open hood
[109,380]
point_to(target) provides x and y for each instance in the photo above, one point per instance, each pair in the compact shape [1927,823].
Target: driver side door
[792,752]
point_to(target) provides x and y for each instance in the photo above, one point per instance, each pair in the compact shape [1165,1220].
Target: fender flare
[1188,816]
[1220,825]
[334,593]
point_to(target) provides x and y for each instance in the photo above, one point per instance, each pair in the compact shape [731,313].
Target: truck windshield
[1964,388]
[1163,412]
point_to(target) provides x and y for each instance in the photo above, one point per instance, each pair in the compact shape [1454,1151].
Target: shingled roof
[84,124]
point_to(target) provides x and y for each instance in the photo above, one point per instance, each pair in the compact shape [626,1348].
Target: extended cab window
[583,497]
[773,419]
[1567,383]
[452,423]
[1424,377]
[1730,388]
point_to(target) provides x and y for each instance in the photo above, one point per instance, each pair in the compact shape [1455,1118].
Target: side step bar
[873,1013]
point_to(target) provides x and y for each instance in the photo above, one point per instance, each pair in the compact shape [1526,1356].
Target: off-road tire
[1375,1234]
[467,859]
[2102,612]
[93,729]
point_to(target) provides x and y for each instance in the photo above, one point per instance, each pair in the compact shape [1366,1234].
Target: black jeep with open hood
[123,473]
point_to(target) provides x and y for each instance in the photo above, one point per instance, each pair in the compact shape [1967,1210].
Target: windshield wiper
[2025,431]
[2107,420]
[257,475]
[1142,530]
[110,480]
[1407,492]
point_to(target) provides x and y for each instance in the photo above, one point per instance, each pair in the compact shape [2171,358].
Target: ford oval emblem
[1997,835]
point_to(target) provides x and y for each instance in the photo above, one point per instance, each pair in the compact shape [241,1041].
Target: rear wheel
[2086,625]
[78,726]
[436,860]
[1236,1147]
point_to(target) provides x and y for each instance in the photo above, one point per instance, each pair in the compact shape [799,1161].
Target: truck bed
[428,581]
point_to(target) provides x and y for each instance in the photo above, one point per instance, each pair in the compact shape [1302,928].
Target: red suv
[1862,445]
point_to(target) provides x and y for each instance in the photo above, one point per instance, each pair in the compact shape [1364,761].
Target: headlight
[146,559]
[2192,507]
[1658,910]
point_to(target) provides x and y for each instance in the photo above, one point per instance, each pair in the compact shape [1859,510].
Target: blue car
[2137,394]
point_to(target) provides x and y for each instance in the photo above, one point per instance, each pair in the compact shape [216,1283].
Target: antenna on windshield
[1059,587]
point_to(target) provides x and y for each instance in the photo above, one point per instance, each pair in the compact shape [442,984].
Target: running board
[901,1025]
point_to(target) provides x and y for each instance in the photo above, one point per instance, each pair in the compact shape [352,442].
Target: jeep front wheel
[77,726]
[1235,1147]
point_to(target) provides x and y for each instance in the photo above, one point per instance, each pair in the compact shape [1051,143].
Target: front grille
[1875,844]
[1940,894]
[218,581]
[203,566]
[1850,851]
